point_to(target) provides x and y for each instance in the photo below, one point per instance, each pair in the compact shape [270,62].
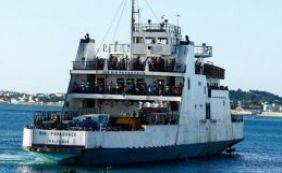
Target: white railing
[116,48]
[203,51]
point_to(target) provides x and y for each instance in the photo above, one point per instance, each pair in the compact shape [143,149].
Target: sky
[39,38]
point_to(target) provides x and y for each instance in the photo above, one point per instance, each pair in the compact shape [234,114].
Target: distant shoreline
[33,104]
[271,114]
[263,114]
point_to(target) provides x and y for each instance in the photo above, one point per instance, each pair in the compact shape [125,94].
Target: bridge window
[138,40]
[162,41]
[150,40]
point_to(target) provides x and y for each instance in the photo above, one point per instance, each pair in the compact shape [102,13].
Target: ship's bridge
[159,39]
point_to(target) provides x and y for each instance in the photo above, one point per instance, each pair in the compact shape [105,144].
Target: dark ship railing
[121,89]
[155,64]
[55,120]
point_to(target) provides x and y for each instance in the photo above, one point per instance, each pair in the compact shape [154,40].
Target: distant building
[14,101]
[59,94]
[2,101]
[30,100]
[277,108]
[267,107]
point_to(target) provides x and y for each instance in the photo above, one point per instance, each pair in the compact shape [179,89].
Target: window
[150,40]
[200,83]
[189,84]
[224,103]
[205,90]
[162,41]
[138,40]
[208,111]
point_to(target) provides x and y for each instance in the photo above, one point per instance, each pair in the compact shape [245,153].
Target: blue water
[261,151]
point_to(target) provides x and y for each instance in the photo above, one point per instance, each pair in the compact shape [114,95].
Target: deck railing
[121,89]
[97,64]
[155,64]
[162,27]
[203,51]
[45,116]
[117,48]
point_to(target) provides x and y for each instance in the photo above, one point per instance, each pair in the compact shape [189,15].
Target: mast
[132,27]
[132,16]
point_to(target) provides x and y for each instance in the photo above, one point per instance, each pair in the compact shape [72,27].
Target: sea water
[260,152]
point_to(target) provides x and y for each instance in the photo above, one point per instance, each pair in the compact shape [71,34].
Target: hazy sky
[39,38]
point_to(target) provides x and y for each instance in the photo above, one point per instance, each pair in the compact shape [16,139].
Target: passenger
[98,63]
[114,63]
[166,90]
[126,62]
[87,37]
[87,87]
[162,64]
[138,63]
[122,64]
[144,89]
[133,88]
[110,85]
[100,88]
[160,88]
[151,64]
[172,65]
[82,87]
[138,89]
[155,89]
[118,89]
[111,62]
[96,87]
[155,66]
[150,89]
[174,90]
[75,87]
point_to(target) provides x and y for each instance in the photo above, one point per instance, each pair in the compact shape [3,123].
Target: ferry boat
[155,99]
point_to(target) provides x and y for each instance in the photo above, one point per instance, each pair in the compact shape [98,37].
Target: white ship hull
[138,155]
[155,143]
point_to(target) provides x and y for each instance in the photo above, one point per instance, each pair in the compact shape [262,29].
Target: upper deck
[121,62]
[119,65]
[160,27]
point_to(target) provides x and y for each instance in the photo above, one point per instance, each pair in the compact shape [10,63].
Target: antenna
[178,17]
[132,29]
[133,12]
[133,16]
